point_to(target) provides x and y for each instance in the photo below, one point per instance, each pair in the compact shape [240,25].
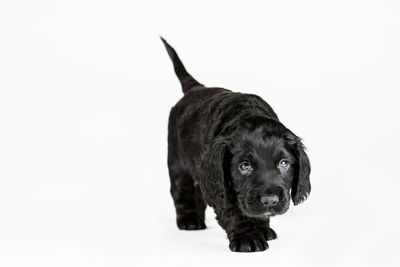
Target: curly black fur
[211,132]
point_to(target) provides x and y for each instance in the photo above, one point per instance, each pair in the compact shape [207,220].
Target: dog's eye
[283,165]
[245,168]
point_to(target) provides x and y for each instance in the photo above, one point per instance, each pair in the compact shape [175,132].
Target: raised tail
[187,81]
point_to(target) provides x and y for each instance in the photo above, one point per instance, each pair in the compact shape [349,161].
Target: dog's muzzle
[268,201]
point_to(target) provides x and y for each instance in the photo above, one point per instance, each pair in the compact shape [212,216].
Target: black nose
[270,200]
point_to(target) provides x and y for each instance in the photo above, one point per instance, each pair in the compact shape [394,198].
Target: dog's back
[203,112]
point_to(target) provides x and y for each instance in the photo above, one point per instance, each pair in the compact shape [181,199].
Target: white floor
[85,91]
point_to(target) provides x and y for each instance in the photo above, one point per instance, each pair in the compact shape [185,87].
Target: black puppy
[230,151]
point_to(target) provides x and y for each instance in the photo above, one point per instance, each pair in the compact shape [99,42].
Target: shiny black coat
[211,132]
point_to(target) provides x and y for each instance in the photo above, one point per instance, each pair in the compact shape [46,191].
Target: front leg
[262,225]
[242,233]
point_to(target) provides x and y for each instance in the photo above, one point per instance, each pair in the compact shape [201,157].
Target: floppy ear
[212,174]
[301,186]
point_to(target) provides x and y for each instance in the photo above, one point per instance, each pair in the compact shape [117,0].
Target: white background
[85,91]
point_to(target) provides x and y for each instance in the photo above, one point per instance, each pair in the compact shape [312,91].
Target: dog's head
[256,165]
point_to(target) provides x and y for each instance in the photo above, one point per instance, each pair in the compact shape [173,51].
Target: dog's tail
[187,81]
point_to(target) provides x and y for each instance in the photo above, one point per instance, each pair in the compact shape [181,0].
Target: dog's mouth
[252,207]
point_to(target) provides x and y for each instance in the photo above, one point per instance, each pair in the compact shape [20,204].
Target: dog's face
[264,164]
[262,170]
[260,164]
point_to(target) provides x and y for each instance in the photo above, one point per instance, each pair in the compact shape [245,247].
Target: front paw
[248,242]
[270,234]
[190,222]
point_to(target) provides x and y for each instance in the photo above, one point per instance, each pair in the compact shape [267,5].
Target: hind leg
[189,203]
[201,204]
